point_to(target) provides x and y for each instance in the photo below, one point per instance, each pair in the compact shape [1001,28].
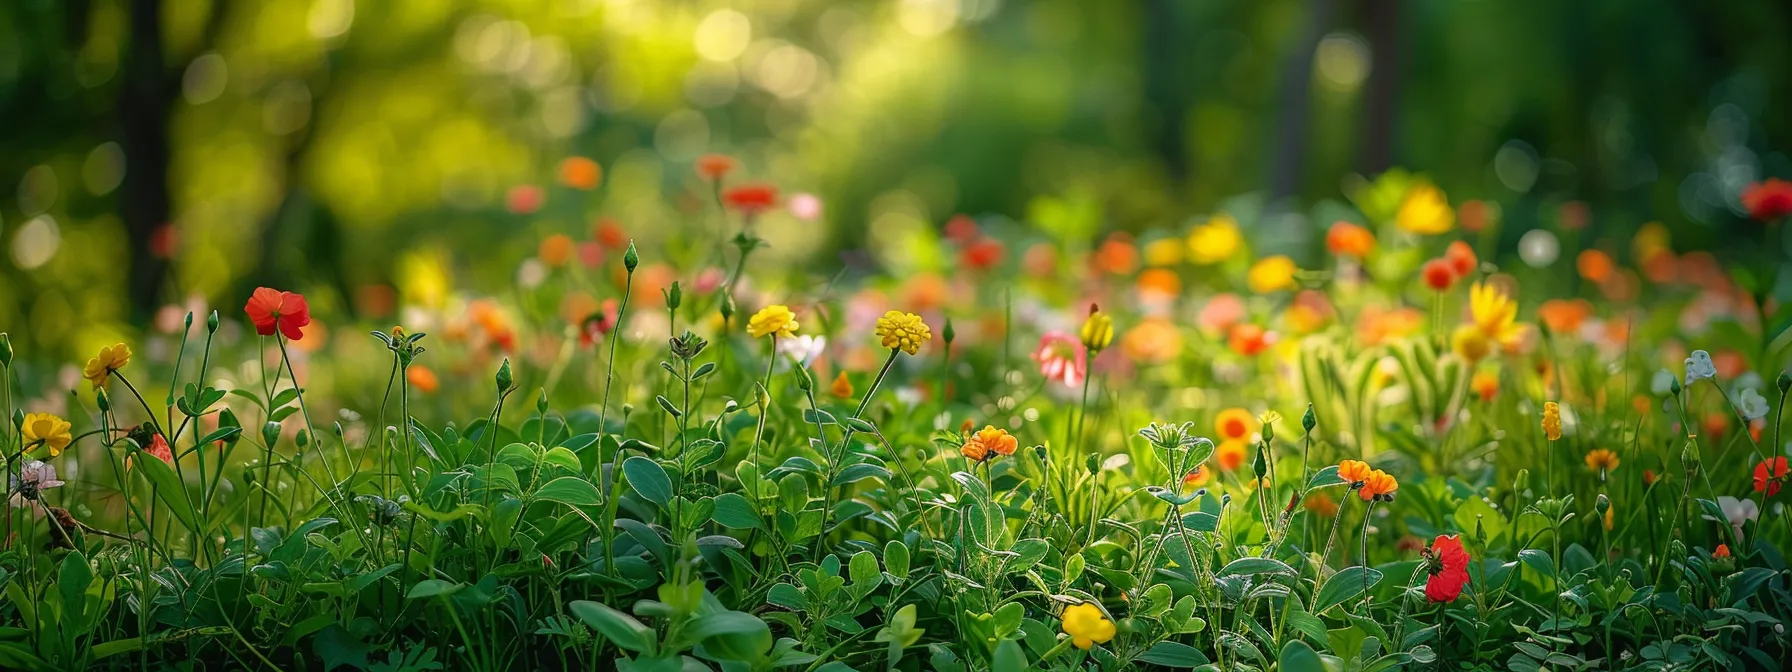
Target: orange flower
[1594,265]
[1197,478]
[1552,420]
[273,310]
[1439,274]
[1378,486]
[1247,339]
[580,173]
[1117,255]
[1349,240]
[1564,316]
[1230,455]
[1159,284]
[1722,552]
[1152,340]
[1233,424]
[1354,472]
[609,234]
[1602,460]
[842,387]
[714,167]
[1321,504]
[1461,257]
[751,199]
[1476,215]
[557,250]
[1486,384]
[981,255]
[988,443]
[420,377]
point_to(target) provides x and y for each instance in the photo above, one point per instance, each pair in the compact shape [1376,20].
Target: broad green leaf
[571,490]
[649,479]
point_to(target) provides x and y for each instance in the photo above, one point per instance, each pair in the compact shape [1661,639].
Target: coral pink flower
[1221,313]
[523,199]
[1061,357]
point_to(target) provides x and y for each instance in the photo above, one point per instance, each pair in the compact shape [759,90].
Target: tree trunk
[144,203]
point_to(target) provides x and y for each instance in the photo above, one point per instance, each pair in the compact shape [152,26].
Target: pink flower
[523,199]
[1221,313]
[1061,357]
[805,207]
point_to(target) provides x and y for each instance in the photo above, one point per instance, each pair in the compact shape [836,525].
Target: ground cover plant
[1074,451]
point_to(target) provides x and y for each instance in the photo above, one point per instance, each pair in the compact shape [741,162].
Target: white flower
[803,348]
[1738,511]
[1751,405]
[33,478]
[1663,383]
[1699,367]
[1749,380]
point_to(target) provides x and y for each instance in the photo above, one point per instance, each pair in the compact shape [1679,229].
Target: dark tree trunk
[144,202]
[1291,116]
[1164,83]
[1382,21]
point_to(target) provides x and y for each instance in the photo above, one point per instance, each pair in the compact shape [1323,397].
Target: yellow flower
[1602,460]
[1552,420]
[1470,344]
[47,430]
[100,368]
[1098,331]
[1163,252]
[1087,626]
[1271,274]
[1494,313]
[1215,241]
[772,319]
[898,330]
[1425,211]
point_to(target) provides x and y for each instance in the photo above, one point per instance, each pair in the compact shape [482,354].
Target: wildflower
[987,443]
[1233,424]
[1152,340]
[1751,404]
[1379,485]
[159,449]
[898,330]
[1061,358]
[1722,552]
[774,319]
[1087,625]
[1447,563]
[1594,265]
[804,206]
[1425,211]
[1699,367]
[1486,384]
[1159,285]
[1197,477]
[1602,460]
[100,368]
[1215,241]
[1662,384]
[1768,201]
[421,378]
[1477,215]
[1769,475]
[580,173]
[1564,316]
[1494,313]
[962,228]
[1271,274]
[1247,339]
[1438,274]
[1552,420]
[1230,454]
[1470,343]
[982,254]
[751,199]
[803,349]
[32,480]
[842,387]
[1738,512]
[1164,252]
[1117,255]
[1345,239]
[557,250]
[522,199]
[1321,504]
[1461,257]
[1648,477]
[1610,518]
[714,167]
[271,309]
[43,429]
[1354,472]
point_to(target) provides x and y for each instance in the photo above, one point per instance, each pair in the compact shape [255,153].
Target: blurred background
[375,154]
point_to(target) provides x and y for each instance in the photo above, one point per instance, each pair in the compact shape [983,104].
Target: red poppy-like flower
[962,229]
[982,254]
[1722,552]
[1462,258]
[1447,563]
[1439,274]
[751,199]
[1769,475]
[273,310]
[1769,200]
[714,166]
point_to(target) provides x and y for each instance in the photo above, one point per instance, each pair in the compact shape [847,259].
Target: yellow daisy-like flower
[1602,459]
[1470,344]
[1215,241]
[46,430]
[898,330]
[1552,420]
[1425,210]
[1271,274]
[100,368]
[1494,313]
[772,319]
[1098,331]
[1087,626]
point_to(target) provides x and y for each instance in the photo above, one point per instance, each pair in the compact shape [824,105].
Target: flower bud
[1784,382]
[804,381]
[541,401]
[18,419]
[1480,532]
[631,258]
[505,379]
[727,307]
[105,400]
[1602,504]
[211,322]
[948,332]
[1269,428]
[270,433]
[1260,466]
[761,396]
[1675,387]
[674,296]
[189,323]
[5,350]
[303,438]
[1309,420]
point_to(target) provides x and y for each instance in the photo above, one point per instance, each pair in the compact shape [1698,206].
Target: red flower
[158,447]
[714,166]
[271,309]
[1439,274]
[523,199]
[1447,563]
[1769,200]
[982,255]
[1769,474]
[1462,258]
[751,199]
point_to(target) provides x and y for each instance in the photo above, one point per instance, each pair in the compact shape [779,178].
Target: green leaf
[1009,656]
[1343,586]
[1173,654]
[896,559]
[649,479]
[620,628]
[168,487]
[433,587]
[1326,478]
[1256,566]
[732,635]
[735,511]
[1298,657]
[571,490]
